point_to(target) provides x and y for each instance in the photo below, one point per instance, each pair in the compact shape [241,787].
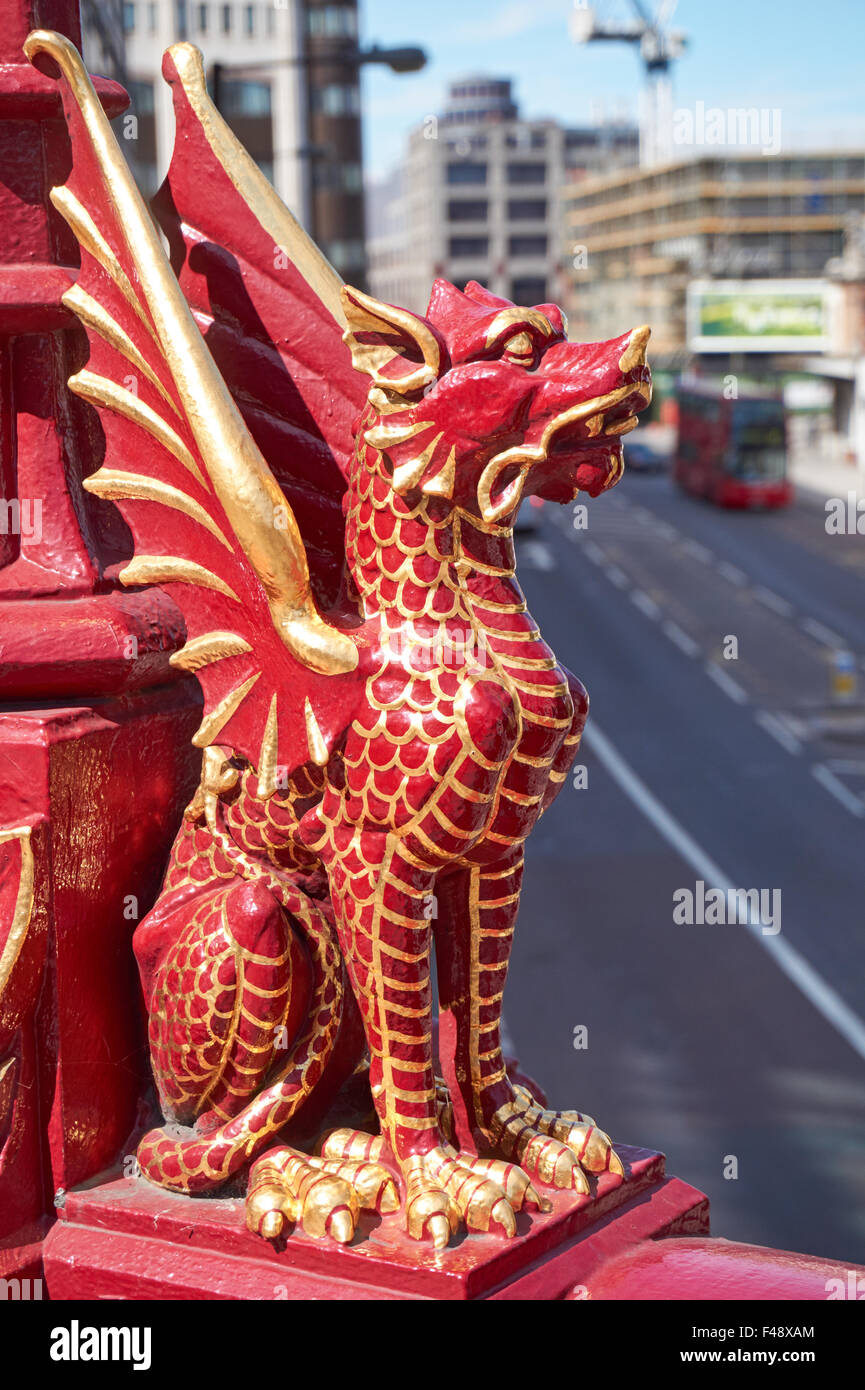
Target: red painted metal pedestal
[124,1238]
[95,727]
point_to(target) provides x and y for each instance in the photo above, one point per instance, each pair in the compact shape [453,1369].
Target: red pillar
[95,759]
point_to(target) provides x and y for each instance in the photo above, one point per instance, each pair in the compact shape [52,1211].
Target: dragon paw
[558,1147]
[445,1189]
[323,1195]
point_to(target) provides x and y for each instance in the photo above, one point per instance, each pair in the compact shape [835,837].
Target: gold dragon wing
[210,522]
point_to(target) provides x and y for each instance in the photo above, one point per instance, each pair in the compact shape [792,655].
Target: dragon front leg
[382,899]
[473,942]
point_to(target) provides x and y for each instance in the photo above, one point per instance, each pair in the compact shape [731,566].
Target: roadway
[713,1043]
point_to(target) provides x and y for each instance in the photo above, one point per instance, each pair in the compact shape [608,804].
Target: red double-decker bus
[732,451]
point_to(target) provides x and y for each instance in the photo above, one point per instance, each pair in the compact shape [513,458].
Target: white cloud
[512,18]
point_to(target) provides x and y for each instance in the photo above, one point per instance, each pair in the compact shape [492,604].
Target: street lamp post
[399,60]
[336,210]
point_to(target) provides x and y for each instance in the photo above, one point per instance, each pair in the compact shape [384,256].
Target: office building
[478,197]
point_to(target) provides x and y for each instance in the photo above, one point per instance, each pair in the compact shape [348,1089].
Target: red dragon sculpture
[327,486]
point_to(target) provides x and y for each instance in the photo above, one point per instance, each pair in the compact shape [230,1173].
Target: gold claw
[272,1224]
[502,1215]
[616,1165]
[268,1205]
[533,1197]
[579,1181]
[438,1230]
[340,1225]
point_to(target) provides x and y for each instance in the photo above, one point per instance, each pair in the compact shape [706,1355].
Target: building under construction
[636,238]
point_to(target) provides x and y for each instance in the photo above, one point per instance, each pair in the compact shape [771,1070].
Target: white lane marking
[698,551]
[537,555]
[591,551]
[733,573]
[850,765]
[773,601]
[794,965]
[682,639]
[646,604]
[616,576]
[779,732]
[854,804]
[726,683]
[665,531]
[821,633]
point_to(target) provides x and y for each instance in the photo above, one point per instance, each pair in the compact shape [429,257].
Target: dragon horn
[247,490]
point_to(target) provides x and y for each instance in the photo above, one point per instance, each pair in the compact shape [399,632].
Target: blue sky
[805,59]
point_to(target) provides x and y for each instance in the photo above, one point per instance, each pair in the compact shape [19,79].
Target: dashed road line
[698,552]
[538,557]
[616,576]
[854,804]
[807,980]
[778,731]
[726,683]
[774,601]
[646,604]
[821,633]
[680,638]
[733,574]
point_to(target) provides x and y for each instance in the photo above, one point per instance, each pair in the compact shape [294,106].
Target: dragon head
[483,402]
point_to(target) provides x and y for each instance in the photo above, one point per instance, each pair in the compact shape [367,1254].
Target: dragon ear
[400,352]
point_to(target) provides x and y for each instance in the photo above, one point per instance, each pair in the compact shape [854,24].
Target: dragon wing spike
[100,390]
[114,483]
[210,646]
[247,490]
[96,317]
[185,60]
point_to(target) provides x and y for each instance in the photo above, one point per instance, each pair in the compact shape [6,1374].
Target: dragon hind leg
[251,985]
[228,993]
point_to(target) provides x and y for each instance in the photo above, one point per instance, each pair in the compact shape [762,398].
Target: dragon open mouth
[591,464]
[580,450]
[586,452]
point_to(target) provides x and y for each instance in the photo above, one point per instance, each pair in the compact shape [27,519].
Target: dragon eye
[520,349]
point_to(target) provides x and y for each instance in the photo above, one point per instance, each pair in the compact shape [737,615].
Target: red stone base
[123,1238]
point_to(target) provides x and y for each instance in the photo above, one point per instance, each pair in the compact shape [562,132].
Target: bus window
[758,444]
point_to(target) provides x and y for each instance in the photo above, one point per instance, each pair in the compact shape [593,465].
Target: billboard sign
[758,316]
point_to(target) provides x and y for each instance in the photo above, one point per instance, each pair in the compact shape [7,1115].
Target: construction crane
[659,47]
